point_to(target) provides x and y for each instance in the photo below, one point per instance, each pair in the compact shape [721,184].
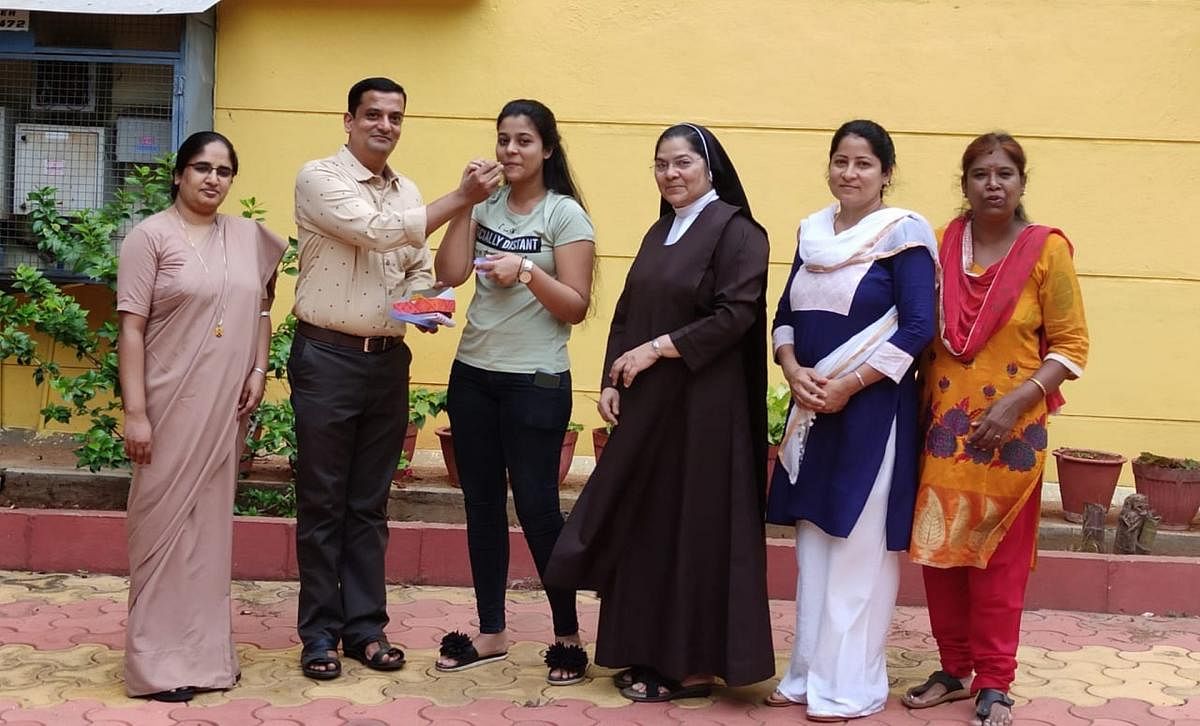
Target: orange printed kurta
[968,497]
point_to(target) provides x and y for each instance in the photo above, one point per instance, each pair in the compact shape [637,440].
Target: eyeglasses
[203,168]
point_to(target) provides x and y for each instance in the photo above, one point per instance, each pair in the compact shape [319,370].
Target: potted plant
[1172,486]
[778,398]
[600,436]
[1086,476]
[570,438]
[422,405]
[273,431]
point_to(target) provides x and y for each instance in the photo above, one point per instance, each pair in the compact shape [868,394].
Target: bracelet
[1040,385]
[861,382]
[256,369]
[656,347]
[264,313]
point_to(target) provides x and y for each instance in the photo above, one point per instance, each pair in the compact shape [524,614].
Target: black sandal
[988,697]
[183,694]
[315,654]
[955,690]
[571,658]
[387,657]
[458,646]
[660,688]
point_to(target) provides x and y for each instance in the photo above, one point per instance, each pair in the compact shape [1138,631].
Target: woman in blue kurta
[858,308]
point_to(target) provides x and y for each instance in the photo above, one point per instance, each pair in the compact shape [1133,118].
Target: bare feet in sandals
[652,687]
[940,687]
[993,708]
[458,652]
[568,664]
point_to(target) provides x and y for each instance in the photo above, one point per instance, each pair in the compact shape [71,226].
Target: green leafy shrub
[778,398]
[423,404]
[81,243]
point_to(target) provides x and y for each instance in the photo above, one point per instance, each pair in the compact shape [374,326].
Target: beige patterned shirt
[362,245]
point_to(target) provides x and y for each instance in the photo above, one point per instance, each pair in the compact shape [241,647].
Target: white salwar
[845,594]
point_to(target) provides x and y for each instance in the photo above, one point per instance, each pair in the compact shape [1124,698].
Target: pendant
[218,331]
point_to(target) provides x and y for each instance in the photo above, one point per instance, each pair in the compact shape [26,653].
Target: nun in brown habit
[669,529]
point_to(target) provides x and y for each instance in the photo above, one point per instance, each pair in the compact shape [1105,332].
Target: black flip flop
[955,690]
[316,654]
[458,646]
[659,689]
[387,657]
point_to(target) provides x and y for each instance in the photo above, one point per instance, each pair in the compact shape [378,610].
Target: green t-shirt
[507,329]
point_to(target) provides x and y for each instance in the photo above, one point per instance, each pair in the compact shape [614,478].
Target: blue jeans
[504,424]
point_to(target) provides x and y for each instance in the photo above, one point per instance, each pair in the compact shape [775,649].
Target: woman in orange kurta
[1012,329]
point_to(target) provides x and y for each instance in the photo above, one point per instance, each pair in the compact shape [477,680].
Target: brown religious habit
[669,529]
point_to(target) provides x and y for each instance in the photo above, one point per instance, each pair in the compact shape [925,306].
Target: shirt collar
[361,173]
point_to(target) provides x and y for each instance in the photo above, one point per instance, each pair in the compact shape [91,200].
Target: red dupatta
[974,308]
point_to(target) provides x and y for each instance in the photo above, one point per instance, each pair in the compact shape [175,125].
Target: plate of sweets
[426,308]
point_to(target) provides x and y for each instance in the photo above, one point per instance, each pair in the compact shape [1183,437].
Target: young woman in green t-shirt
[531,248]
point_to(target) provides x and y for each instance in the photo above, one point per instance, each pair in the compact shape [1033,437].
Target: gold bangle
[1040,385]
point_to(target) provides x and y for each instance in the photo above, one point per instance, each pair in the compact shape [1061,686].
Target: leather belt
[369,344]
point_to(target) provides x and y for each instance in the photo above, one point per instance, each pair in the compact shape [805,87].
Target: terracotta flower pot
[410,442]
[446,439]
[1086,476]
[772,455]
[570,438]
[1174,494]
[447,443]
[599,440]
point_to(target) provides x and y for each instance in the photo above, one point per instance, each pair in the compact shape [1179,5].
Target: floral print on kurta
[969,496]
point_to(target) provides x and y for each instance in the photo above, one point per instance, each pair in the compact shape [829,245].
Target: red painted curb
[436,554]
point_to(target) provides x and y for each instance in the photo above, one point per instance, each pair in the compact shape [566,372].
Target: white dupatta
[847,255]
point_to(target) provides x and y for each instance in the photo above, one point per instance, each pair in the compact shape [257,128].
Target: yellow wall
[1105,96]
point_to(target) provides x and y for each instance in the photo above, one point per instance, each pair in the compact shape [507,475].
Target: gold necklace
[219,330]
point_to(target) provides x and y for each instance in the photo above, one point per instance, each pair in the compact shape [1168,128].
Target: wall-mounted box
[69,158]
[142,140]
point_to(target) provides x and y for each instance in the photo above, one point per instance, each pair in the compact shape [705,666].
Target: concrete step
[429,497]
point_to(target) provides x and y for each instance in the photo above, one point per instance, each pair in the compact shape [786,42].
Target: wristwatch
[526,273]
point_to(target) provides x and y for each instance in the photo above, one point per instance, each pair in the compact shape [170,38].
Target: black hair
[556,172]
[720,167]
[875,135]
[382,85]
[191,148]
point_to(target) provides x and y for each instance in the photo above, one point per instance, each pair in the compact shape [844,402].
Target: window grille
[80,121]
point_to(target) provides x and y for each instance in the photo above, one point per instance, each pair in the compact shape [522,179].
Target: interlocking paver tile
[479,711]
[1050,710]
[1188,710]
[235,712]
[321,712]
[1067,662]
[563,712]
[396,711]
[1122,709]
[70,713]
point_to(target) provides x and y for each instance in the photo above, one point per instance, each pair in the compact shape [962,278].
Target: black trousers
[506,428]
[351,416]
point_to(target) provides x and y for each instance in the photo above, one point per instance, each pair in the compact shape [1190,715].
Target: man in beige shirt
[362,231]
